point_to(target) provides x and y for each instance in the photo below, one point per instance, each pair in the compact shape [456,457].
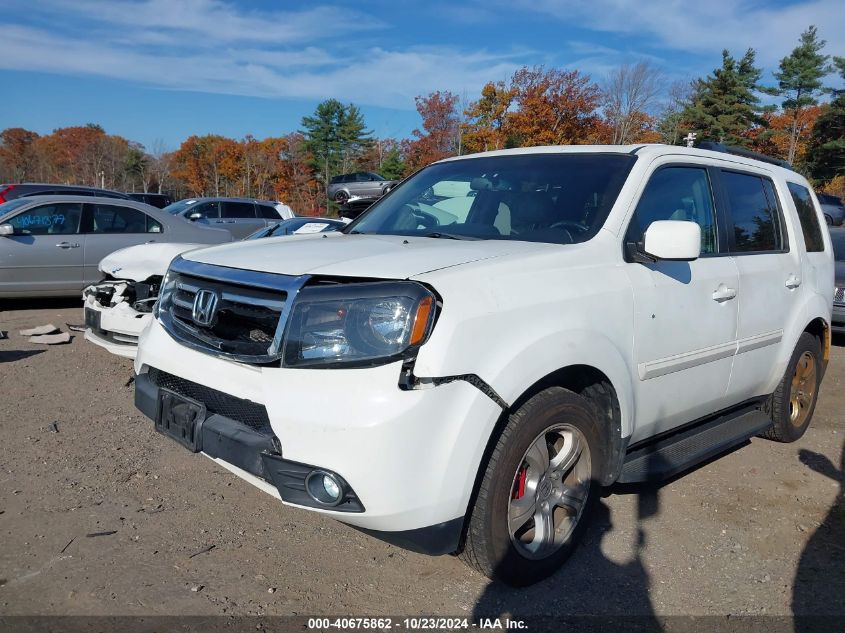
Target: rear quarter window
[807,217]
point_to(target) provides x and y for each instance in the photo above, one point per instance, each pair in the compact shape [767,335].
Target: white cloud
[374,76]
[706,26]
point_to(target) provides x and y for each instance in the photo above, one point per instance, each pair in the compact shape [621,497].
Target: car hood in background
[340,254]
[143,261]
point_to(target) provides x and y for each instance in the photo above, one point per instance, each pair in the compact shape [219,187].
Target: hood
[143,261]
[339,254]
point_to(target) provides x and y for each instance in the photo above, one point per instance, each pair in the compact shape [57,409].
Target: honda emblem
[205,307]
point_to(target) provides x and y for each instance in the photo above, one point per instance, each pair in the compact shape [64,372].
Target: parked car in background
[361,184]
[158,200]
[11,192]
[52,245]
[833,209]
[239,216]
[119,307]
[837,236]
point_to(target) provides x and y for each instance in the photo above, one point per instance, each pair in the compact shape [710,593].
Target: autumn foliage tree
[439,136]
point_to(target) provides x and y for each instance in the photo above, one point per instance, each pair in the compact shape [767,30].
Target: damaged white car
[118,308]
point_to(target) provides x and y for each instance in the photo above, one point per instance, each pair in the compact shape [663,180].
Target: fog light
[324,488]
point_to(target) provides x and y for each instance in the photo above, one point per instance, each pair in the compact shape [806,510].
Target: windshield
[11,205]
[555,198]
[178,207]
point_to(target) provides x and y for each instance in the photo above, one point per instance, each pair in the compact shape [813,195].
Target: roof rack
[745,153]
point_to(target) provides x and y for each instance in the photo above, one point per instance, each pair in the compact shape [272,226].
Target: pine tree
[800,80]
[724,104]
[826,151]
[392,167]
[335,137]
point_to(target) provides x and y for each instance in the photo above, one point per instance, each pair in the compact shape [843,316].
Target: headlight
[357,324]
[167,286]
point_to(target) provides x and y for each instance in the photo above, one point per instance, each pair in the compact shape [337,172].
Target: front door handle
[723,293]
[793,281]
[67,245]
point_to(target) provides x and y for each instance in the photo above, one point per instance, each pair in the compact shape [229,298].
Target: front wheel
[537,490]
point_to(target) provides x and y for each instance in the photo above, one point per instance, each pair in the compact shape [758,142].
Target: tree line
[790,117]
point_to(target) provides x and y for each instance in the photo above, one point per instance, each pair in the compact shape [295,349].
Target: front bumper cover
[259,453]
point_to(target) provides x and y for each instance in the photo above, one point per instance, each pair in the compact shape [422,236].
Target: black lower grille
[246,412]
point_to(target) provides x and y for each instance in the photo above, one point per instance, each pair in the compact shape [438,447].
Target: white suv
[467,364]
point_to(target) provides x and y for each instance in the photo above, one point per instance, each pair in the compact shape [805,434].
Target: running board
[668,456]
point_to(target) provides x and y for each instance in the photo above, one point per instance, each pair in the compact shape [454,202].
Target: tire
[791,409]
[497,542]
[341,197]
[828,219]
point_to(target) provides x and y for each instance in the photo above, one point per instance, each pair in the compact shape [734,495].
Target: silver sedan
[51,245]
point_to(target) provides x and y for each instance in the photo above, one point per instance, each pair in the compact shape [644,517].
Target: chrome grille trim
[839,295]
[233,285]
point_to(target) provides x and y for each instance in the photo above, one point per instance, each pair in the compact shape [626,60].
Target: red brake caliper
[519,484]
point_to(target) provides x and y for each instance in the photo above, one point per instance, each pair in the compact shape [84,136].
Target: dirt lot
[759,531]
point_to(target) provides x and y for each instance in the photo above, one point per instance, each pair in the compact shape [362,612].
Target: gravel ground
[99,515]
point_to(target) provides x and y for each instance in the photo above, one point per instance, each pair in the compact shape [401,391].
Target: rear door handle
[67,245]
[793,281]
[723,293]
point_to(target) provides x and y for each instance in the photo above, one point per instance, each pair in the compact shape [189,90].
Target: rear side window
[807,216]
[757,225]
[267,212]
[238,210]
[677,193]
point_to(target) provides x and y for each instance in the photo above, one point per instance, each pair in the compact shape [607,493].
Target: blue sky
[157,71]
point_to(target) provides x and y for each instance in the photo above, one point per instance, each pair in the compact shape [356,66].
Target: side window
[807,216]
[267,212]
[49,219]
[362,177]
[109,218]
[153,225]
[756,221]
[677,193]
[237,210]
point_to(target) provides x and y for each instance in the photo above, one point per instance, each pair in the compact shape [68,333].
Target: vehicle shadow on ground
[820,577]
[10,356]
[42,303]
[590,584]
[838,340]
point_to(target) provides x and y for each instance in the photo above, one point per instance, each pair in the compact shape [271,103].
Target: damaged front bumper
[116,312]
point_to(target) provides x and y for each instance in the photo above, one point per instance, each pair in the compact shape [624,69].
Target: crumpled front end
[117,311]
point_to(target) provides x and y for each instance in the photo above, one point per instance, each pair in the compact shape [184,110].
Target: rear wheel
[537,491]
[794,401]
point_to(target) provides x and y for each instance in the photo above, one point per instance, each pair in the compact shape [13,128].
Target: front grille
[239,314]
[246,319]
[246,412]
[839,295]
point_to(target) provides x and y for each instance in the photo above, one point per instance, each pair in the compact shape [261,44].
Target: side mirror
[7,229]
[674,240]
[195,216]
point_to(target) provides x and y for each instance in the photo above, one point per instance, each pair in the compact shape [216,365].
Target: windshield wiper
[450,236]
